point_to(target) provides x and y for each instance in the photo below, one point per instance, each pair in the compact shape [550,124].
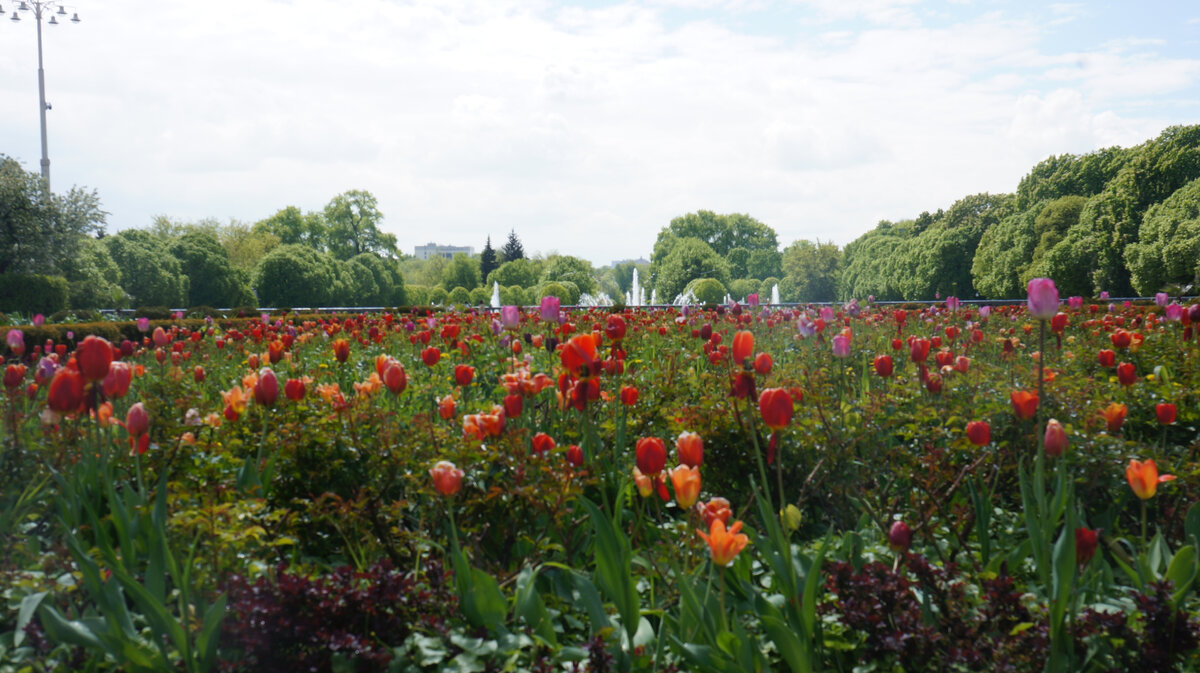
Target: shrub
[154,312]
[417,295]
[555,290]
[459,296]
[481,297]
[32,293]
[708,290]
[79,315]
[437,295]
[741,288]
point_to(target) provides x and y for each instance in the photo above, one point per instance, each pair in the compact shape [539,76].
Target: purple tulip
[1162,299]
[1043,298]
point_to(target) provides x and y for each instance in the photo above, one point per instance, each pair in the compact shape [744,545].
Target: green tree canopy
[212,280]
[291,226]
[815,270]
[93,277]
[723,233]
[245,246]
[1168,247]
[461,272]
[295,275]
[352,222]
[573,269]
[150,274]
[523,272]
[689,259]
[40,231]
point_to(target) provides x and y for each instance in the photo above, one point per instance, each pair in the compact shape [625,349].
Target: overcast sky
[586,126]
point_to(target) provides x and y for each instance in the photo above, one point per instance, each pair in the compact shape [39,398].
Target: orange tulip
[1114,417]
[1025,404]
[644,485]
[690,448]
[724,545]
[446,407]
[743,347]
[578,356]
[717,508]
[1144,478]
[979,432]
[341,350]
[686,481]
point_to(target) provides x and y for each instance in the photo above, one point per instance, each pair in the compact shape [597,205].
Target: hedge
[32,293]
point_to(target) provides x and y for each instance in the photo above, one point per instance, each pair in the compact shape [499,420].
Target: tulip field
[859,487]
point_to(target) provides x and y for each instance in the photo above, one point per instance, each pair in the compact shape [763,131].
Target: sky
[585,126]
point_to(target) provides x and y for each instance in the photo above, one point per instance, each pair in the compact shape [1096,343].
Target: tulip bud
[137,421]
[1055,439]
[447,479]
[900,537]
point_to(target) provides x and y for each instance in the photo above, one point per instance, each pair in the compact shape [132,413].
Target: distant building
[447,251]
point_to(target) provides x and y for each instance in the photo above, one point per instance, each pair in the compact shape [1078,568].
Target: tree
[815,270]
[388,280]
[93,277]
[573,269]
[291,226]
[461,272]
[245,246]
[739,263]
[295,275]
[523,272]
[487,259]
[352,220]
[212,280]
[723,233]
[690,258]
[1168,247]
[512,249]
[40,231]
[150,274]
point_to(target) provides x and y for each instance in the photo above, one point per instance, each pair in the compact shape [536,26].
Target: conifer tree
[512,249]
[487,260]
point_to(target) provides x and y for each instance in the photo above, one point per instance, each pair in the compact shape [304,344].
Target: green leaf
[29,606]
[1182,572]
[529,606]
[614,571]
[69,632]
[1191,524]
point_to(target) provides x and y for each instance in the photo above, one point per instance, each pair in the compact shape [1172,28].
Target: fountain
[654,297]
[775,294]
[495,294]
[635,290]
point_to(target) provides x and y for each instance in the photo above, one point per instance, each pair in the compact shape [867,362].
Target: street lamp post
[39,9]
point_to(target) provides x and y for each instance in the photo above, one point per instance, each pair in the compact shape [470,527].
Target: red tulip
[116,383]
[918,350]
[629,395]
[137,421]
[1059,323]
[294,389]
[14,376]
[1086,541]
[395,378]
[1055,439]
[743,347]
[266,389]
[160,337]
[575,455]
[883,365]
[66,391]
[934,384]
[446,407]
[1166,413]
[1127,373]
[430,356]
[743,385]
[1120,338]
[690,449]
[513,405]
[464,374]
[578,356]
[198,374]
[900,537]
[1106,358]
[542,443]
[775,406]
[651,455]
[979,433]
[94,354]
[447,479]
[1025,403]
[614,327]
[763,364]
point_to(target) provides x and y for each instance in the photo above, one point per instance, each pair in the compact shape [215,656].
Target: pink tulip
[510,317]
[549,308]
[1043,298]
[841,346]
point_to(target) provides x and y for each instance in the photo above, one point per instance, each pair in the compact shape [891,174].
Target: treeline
[1124,221]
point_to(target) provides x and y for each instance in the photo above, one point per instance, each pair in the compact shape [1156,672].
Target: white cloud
[584,128]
